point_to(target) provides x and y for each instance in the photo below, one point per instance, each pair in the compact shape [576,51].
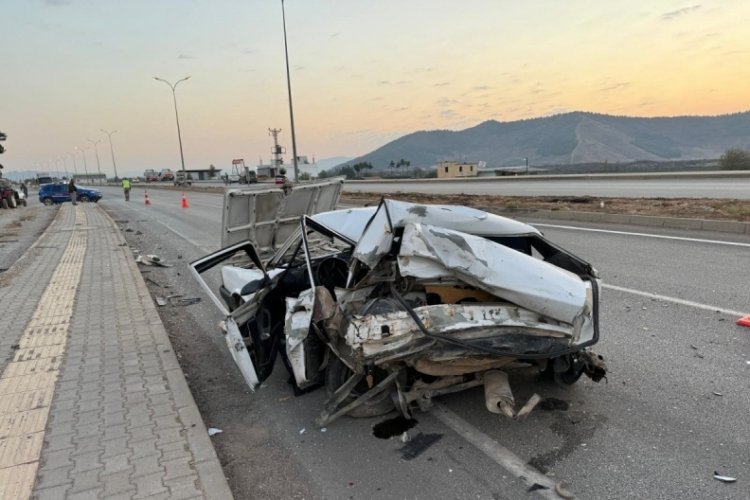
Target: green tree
[363,165]
[735,159]
[348,172]
[211,171]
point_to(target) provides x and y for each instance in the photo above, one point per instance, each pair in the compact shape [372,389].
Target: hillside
[572,138]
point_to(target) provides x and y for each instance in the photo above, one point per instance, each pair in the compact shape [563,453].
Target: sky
[363,72]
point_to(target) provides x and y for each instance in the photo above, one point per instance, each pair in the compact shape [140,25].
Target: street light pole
[65,164]
[177,117]
[85,167]
[289,89]
[111,150]
[96,150]
[75,167]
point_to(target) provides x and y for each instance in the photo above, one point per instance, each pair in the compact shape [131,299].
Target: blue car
[57,192]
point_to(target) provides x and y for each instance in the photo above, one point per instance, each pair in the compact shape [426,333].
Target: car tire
[4,203]
[337,373]
[47,201]
[83,199]
[12,202]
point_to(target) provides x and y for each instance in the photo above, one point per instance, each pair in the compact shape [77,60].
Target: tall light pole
[289,89]
[85,167]
[65,164]
[75,167]
[179,136]
[96,150]
[111,150]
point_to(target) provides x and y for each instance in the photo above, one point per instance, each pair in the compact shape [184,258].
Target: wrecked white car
[390,306]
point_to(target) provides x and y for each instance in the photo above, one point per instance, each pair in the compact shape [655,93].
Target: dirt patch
[686,208]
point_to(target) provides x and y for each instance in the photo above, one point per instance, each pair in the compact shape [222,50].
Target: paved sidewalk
[93,403]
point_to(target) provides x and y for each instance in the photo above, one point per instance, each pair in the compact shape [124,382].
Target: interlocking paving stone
[92,376]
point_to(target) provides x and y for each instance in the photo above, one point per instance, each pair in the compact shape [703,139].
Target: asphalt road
[673,411]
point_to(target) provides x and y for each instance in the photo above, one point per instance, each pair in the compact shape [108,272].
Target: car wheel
[83,199]
[337,373]
[47,201]
[12,202]
[4,203]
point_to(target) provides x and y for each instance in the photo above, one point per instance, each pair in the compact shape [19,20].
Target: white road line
[705,307]
[646,235]
[497,452]
[184,237]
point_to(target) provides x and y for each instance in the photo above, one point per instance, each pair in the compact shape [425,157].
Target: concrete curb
[207,462]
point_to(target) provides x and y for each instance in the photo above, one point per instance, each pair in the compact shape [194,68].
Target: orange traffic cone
[147,200]
[744,321]
[185,203]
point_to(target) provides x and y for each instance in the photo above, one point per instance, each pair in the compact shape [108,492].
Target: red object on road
[744,321]
[147,200]
[185,203]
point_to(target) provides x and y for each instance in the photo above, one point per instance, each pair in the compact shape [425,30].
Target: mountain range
[571,138]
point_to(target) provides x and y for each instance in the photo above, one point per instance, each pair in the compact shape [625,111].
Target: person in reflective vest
[126,188]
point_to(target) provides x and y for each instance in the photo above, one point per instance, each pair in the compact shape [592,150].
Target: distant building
[452,169]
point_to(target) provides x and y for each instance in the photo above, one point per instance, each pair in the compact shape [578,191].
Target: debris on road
[212,431]
[724,479]
[151,260]
[418,445]
[563,490]
[528,407]
[160,300]
[178,301]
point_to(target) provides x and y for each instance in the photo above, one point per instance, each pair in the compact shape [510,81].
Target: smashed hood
[429,252]
[377,238]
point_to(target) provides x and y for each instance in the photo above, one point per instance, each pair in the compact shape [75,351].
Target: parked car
[10,197]
[150,176]
[57,192]
[166,175]
[392,305]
